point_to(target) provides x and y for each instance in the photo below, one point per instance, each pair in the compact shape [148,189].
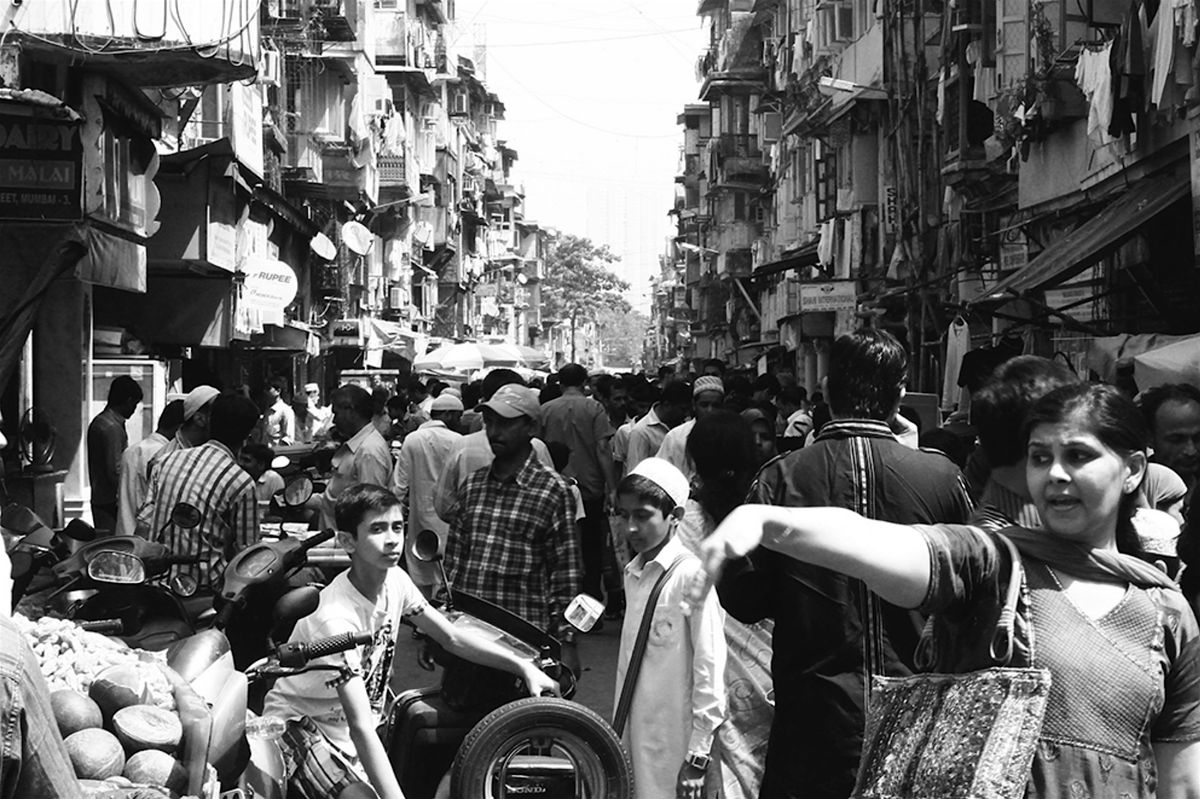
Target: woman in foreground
[1121,643]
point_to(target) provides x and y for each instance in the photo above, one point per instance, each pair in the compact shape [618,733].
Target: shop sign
[889,208]
[346,333]
[40,168]
[838,295]
[1081,300]
[268,284]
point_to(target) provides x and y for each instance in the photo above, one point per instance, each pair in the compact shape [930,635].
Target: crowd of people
[789,547]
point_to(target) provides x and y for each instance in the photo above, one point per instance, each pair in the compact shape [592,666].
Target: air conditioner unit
[271,68]
[458,103]
[396,298]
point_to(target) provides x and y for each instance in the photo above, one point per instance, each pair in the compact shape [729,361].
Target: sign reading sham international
[837,295]
[40,168]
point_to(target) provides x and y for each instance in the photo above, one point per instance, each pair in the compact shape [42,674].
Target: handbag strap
[1001,648]
[639,649]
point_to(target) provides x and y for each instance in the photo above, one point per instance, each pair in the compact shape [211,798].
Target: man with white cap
[677,700]
[513,540]
[421,461]
[197,409]
[312,419]
[708,393]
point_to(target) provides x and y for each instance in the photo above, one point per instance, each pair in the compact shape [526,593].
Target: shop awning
[805,256]
[1094,239]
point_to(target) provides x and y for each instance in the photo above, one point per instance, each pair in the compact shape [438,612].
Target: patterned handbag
[957,736]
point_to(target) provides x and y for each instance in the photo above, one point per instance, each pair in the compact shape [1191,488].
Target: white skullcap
[664,475]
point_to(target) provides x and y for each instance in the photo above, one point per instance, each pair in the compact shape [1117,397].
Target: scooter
[479,725]
[35,546]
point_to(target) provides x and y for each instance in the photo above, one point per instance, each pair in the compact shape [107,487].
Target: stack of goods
[115,708]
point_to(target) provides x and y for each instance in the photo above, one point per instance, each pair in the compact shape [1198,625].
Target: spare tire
[552,732]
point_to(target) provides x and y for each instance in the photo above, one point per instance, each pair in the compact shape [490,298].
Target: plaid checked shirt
[209,478]
[514,543]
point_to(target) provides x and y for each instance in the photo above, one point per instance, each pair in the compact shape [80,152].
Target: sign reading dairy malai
[39,168]
[268,284]
[837,295]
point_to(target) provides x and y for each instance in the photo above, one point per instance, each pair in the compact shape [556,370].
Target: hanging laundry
[1093,75]
[1185,20]
[1128,68]
[1161,43]
[941,96]
[825,250]
[958,344]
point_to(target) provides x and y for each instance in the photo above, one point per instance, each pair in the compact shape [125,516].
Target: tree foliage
[579,280]
[622,334]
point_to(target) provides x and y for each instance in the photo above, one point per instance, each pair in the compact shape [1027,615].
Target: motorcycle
[35,546]
[479,726]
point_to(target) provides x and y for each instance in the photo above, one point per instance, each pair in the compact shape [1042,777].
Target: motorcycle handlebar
[104,626]
[316,539]
[297,654]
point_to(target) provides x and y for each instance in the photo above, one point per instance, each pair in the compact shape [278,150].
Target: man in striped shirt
[209,478]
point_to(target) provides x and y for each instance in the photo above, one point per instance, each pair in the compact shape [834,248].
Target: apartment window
[739,206]
[799,168]
[735,115]
[825,178]
[835,22]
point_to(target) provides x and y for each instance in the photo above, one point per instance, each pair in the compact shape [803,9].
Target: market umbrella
[524,356]
[1174,363]
[463,358]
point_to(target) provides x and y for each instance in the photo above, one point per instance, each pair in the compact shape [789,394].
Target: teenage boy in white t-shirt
[330,742]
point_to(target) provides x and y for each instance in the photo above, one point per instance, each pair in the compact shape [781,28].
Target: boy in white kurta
[679,699]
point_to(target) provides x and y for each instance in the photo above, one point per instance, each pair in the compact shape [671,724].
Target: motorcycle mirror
[296,491]
[79,530]
[297,603]
[584,611]
[185,516]
[280,462]
[184,585]
[426,545]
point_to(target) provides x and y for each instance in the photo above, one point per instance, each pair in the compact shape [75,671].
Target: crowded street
[724,399]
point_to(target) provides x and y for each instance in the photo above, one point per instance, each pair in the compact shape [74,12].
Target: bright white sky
[591,91]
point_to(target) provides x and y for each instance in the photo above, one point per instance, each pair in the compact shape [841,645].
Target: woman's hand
[539,682]
[737,536]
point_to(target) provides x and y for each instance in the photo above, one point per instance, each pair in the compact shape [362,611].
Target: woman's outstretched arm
[892,559]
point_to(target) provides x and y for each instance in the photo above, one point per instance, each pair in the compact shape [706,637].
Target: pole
[573,312]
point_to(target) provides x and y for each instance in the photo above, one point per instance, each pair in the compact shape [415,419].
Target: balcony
[737,159]
[393,45]
[393,171]
[197,43]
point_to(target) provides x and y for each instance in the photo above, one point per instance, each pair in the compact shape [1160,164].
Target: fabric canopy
[1175,363]
[1094,239]
[464,358]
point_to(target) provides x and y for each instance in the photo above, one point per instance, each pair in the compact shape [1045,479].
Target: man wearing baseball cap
[513,539]
[708,393]
[421,460]
[197,409]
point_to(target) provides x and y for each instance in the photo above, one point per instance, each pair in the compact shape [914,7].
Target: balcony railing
[738,145]
[391,37]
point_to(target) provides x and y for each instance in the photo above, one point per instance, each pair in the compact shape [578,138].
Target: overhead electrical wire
[589,41]
[576,120]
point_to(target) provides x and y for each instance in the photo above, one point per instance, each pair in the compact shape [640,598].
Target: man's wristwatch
[697,761]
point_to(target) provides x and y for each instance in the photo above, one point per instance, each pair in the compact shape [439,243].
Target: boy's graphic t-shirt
[343,609]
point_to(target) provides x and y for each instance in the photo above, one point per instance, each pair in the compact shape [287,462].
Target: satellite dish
[323,247]
[357,237]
